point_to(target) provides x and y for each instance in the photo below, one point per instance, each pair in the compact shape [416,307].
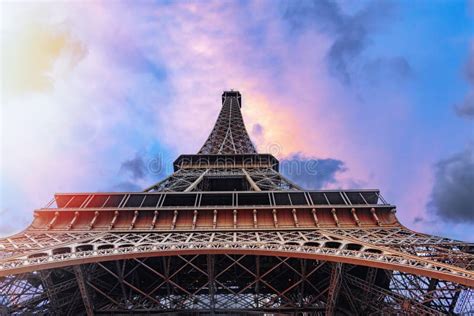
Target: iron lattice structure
[227,233]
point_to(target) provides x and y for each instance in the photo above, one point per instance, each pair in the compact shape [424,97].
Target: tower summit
[227,233]
[229,135]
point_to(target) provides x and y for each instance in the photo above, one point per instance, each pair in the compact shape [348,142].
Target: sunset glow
[381,87]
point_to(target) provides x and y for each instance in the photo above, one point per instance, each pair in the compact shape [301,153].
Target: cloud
[83,104]
[30,53]
[452,195]
[395,68]
[418,219]
[145,168]
[12,220]
[152,83]
[257,130]
[126,186]
[469,68]
[326,15]
[466,107]
[311,173]
[135,167]
[352,34]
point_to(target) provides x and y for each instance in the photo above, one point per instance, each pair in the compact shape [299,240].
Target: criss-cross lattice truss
[227,233]
[229,135]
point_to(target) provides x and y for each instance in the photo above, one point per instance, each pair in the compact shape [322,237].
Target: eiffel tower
[226,233]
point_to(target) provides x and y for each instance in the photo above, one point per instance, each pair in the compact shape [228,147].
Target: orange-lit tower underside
[227,233]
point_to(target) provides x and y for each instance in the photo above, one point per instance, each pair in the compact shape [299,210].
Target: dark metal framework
[229,135]
[229,283]
[227,233]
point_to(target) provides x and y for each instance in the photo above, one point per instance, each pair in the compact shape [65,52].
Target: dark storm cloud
[311,173]
[143,169]
[135,167]
[352,33]
[452,197]
[345,49]
[353,36]
[466,107]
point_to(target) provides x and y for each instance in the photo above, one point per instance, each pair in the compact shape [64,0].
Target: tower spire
[229,135]
[228,148]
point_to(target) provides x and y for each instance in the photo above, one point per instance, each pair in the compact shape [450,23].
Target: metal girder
[333,289]
[254,186]
[349,296]
[389,302]
[259,178]
[196,182]
[48,285]
[211,283]
[83,290]
[319,245]
[414,288]
[370,279]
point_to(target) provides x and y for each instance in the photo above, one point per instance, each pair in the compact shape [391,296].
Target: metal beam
[333,290]
[83,290]
[48,285]
[211,282]
[196,182]
[252,183]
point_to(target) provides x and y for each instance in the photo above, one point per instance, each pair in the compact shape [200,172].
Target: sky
[103,96]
